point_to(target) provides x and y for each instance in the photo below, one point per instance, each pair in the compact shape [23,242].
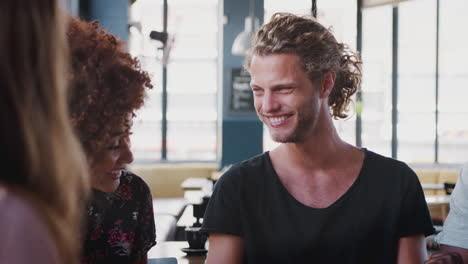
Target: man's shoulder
[389,171]
[254,163]
[384,163]
[247,170]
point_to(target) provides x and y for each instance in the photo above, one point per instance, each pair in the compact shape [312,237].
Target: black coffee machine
[199,210]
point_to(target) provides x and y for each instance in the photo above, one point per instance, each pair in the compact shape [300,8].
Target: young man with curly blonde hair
[314,198]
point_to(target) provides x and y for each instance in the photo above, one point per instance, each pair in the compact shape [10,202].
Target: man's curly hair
[318,51]
[106,84]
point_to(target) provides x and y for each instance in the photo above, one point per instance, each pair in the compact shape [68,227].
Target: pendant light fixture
[243,41]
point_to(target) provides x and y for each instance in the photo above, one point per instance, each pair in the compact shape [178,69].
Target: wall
[241,135]
[164,180]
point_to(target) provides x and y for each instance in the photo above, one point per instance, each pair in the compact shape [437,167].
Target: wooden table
[439,206]
[172,249]
[215,175]
[432,186]
[438,199]
[196,184]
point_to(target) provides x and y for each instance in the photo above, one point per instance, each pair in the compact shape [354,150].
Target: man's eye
[284,90]
[256,90]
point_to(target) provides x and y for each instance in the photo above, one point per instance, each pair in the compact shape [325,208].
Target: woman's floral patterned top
[120,227]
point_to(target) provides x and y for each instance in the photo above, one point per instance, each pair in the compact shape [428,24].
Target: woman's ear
[328,82]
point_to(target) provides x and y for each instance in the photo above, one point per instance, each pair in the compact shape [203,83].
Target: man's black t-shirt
[385,203]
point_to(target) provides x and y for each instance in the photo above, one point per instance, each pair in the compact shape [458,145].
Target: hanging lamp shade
[243,41]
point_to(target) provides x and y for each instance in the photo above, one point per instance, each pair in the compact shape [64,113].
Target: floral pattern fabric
[120,227]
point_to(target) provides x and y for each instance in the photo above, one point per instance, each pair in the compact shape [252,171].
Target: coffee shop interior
[199,118]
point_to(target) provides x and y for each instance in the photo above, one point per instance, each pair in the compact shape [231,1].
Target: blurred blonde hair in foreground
[42,160]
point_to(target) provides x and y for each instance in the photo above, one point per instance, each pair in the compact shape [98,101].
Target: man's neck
[318,150]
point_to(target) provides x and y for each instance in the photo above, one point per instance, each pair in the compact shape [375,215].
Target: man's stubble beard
[305,123]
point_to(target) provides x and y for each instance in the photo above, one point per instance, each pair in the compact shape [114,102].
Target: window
[431,82]
[377,79]
[417,90]
[453,83]
[416,81]
[191,80]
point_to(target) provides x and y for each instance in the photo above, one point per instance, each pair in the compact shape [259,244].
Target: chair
[162,261]
[448,186]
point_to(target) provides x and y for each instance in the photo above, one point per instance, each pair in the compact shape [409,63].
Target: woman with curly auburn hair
[107,86]
[314,198]
[43,179]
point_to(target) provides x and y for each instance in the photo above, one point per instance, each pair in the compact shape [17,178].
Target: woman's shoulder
[129,177]
[18,206]
[21,221]
[134,182]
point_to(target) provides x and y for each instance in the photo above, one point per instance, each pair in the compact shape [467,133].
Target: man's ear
[327,84]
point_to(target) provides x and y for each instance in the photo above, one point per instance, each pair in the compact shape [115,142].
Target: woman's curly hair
[318,50]
[106,83]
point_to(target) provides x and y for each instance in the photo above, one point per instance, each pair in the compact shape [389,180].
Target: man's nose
[270,103]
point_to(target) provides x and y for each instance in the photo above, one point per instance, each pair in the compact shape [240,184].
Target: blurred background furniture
[173,249]
[432,178]
[167,211]
[439,206]
[169,198]
[448,187]
[164,180]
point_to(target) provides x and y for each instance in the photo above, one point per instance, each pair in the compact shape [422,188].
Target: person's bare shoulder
[25,236]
